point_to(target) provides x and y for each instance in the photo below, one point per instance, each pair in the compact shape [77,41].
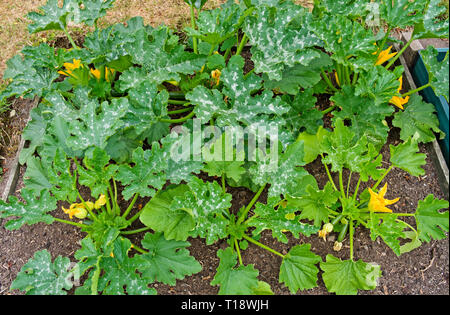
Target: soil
[424,271]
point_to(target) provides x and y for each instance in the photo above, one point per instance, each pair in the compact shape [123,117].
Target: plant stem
[347,75]
[408,225]
[244,40]
[341,184]
[71,223]
[174,121]
[328,174]
[194,39]
[124,215]
[227,53]
[327,80]
[249,73]
[399,53]
[177,102]
[263,246]
[250,205]
[137,248]
[355,77]
[70,39]
[135,231]
[329,109]
[417,90]
[96,276]
[179,111]
[357,189]
[348,183]
[384,40]
[382,177]
[223,183]
[351,239]
[177,95]
[86,207]
[134,218]
[404,214]
[238,251]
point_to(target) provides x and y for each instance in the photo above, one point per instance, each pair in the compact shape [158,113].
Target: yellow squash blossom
[377,202]
[337,78]
[384,56]
[77,210]
[95,73]
[397,100]
[76,64]
[100,202]
[326,229]
[216,75]
[108,73]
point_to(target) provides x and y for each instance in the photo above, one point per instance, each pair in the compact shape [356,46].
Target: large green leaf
[379,84]
[418,120]
[41,276]
[432,25]
[438,73]
[280,219]
[298,270]
[31,212]
[92,10]
[241,280]
[432,223]
[51,16]
[158,215]
[280,37]
[389,229]
[34,133]
[166,260]
[346,277]
[198,4]
[402,13]
[406,156]
[146,176]
[206,202]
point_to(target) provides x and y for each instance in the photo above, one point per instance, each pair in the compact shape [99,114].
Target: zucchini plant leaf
[33,133]
[437,71]
[280,37]
[419,120]
[166,260]
[312,144]
[379,84]
[389,229]
[406,157]
[41,276]
[206,202]
[120,272]
[298,269]
[51,16]
[346,277]
[432,223]
[146,176]
[303,114]
[198,4]
[88,255]
[174,223]
[402,13]
[234,280]
[92,10]
[31,212]
[432,25]
[279,218]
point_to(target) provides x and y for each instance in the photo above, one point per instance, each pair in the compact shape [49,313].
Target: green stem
[137,248]
[238,251]
[179,111]
[329,174]
[177,102]
[327,80]
[263,246]
[134,218]
[341,184]
[135,231]
[227,53]
[244,40]
[71,223]
[70,38]
[355,77]
[404,214]
[348,183]
[380,49]
[177,95]
[124,215]
[86,207]
[223,183]
[399,53]
[357,189]
[249,73]
[194,39]
[382,177]
[96,276]
[408,225]
[174,121]
[351,239]
[339,71]
[417,90]
[250,205]
[329,109]
[347,75]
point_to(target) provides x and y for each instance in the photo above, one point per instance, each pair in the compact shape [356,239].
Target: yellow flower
[108,73]
[326,229]
[95,73]
[100,202]
[337,78]
[397,100]
[337,246]
[377,202]
[76,64]
[216,75]
[385,56]
[77,210]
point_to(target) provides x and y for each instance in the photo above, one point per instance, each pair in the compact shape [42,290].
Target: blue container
[420,75]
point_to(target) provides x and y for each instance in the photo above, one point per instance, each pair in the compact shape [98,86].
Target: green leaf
[120,272]
[277,39]
[234,280]
[312,144]
[402,13]
[315,204]
[206,202]
[146,176]
[93,128]
[51,16]
[432,25]
[263,288]
[379,84]
[298,270]
[96,172]
[92,10]
[413,244]
[198,4]
[431,223]
[41,276]
[36,176]
[277,218]
[346,277]
[389,229]
[418,120]
[303,114]
[437,71]
[64,183]
[406,156]
[158,215]
[31,212]
[88,255]
[166,260]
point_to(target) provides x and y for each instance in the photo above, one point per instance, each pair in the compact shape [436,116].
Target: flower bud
[337,246]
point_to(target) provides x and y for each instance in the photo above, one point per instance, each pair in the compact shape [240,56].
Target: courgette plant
[101,142]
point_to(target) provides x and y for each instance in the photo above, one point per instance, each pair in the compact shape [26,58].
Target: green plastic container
[420,75]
